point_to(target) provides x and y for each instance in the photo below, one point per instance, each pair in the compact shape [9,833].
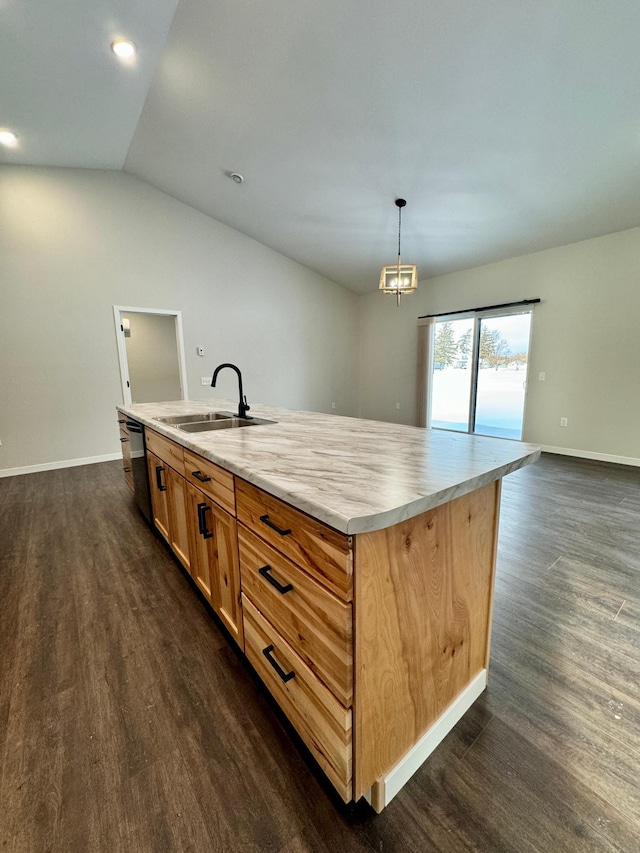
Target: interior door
[151,355]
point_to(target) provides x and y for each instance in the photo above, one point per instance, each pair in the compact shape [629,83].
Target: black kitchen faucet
[243,406]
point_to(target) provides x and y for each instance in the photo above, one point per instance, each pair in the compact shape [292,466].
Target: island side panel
[422,611]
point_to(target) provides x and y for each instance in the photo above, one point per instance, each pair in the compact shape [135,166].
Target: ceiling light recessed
[236,178]
[123,48]
[8,138]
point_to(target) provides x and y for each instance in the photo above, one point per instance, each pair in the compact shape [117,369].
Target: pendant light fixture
[399,278]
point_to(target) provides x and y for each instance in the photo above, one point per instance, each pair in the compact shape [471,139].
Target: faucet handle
[246,405]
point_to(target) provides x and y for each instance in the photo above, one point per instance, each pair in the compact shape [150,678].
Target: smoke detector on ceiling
[238,179]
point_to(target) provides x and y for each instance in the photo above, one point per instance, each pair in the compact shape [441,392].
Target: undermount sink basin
[202,417]
[225,422]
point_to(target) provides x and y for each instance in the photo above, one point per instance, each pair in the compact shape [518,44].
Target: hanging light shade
[399,278]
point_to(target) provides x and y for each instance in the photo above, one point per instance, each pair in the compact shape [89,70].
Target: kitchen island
[353,563]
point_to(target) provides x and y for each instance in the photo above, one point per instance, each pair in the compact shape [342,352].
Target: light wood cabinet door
[316,623]
[126,453]
[201,534]
[178,517]
[320,720]
[323,552]
[159,497]
[165,449]
[211,479]
[215,566]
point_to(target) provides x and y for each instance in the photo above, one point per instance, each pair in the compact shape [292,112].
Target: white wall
[73,243]
[585,336]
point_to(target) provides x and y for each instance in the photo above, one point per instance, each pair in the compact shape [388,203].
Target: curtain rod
[486,308]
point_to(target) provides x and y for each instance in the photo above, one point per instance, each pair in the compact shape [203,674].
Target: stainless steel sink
[228,422]
[202,417]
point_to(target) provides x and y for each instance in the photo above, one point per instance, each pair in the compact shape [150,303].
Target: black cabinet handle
[285,676]
[124,439]
[122,421]
[283,589]
[265,520]
[133,427]
[159,483]
[200,476]
[202,521]
[126,470]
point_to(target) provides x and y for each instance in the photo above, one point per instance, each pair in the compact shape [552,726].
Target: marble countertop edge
[360,476]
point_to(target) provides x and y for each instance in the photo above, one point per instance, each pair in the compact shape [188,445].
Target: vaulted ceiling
[509,127]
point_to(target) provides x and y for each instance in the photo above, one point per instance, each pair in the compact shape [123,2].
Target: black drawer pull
[265,520]
[124,439]
[126,470]
[282,589]
[159,483]
[202,521]
[200,476]
[121,421]
[285,676]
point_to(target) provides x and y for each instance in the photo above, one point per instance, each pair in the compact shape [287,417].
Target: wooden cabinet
[165,449]
[297,585]
[125,443]
[159,498]
[178,516]
[320,720]
[311,619]
[373,645]
[169,506]
[214,564]
[211,479]
[318,549]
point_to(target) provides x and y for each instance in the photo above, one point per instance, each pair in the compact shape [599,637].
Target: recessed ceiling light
[8,138]
[123,48]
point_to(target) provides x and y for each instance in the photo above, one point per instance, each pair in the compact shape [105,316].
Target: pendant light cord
[399,230]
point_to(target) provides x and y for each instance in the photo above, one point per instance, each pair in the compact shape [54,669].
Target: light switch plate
[205,380]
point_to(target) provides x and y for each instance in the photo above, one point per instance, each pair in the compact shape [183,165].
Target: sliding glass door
[480,374]
[451,385]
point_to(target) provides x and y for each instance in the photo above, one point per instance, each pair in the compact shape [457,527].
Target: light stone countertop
[353,474]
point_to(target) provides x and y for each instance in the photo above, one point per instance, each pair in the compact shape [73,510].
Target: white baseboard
[65,463]
[388,786]
[590,454]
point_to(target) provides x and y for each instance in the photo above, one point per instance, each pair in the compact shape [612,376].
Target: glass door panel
[452,372]
[502,375]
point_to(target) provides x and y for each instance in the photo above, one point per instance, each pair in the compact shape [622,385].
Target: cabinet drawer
[320,720]
[211,479]
[126,452]
[165,449]
[320,550]
[314,622]
[125,446]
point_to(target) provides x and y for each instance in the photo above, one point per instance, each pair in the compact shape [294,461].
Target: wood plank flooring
[128,722]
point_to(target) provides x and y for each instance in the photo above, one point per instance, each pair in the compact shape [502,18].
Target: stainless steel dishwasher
[139,466]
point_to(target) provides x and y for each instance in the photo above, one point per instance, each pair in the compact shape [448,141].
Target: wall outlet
[563,422]
[397,405]
[542,376]
[333,405]
[205,380]
[200,350]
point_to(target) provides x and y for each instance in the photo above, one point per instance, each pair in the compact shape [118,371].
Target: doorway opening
[151,354]
[479,377]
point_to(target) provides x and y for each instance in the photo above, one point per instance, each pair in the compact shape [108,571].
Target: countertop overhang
[355,475]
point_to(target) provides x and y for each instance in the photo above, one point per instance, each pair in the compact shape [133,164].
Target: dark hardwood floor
[128,722]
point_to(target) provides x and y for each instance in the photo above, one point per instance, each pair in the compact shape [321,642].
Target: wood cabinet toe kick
[373,645]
